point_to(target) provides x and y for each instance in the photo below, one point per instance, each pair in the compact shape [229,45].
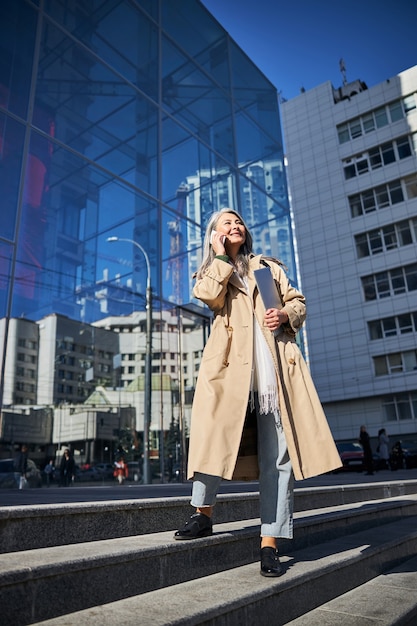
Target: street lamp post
[148,361]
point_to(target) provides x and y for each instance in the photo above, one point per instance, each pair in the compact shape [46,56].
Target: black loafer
[199,525]
[270,565]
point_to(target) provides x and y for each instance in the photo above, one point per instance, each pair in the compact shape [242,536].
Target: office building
[352,173]
[128,121]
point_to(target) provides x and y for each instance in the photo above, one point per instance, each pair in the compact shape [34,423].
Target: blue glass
[190,24]
[95,112]
[17,40]
[6,253]
[11,149]
[195,100]
[119,33]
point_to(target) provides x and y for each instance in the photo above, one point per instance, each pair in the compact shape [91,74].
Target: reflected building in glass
[133,120]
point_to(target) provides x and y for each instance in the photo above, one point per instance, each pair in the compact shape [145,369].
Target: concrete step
[313,576]
[39,526]
[386,600]
[47,582]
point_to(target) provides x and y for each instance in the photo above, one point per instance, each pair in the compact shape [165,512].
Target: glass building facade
[133,119]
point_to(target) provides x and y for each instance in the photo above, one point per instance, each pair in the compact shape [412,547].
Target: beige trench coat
[223,385]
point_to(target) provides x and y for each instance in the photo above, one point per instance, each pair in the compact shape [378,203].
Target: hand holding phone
[214,232]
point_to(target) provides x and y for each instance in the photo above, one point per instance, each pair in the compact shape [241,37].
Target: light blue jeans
[276,480]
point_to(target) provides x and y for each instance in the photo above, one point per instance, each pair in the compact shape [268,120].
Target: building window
[378,198]
[378,118]
[395,363]
[390,283]
[401,406]
[375,158]
[393,326]
[387,238]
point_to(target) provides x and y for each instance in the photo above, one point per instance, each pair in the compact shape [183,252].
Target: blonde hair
[242,258]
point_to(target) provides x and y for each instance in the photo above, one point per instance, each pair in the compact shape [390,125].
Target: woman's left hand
[274,318]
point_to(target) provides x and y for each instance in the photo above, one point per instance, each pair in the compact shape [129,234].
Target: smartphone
[213,232]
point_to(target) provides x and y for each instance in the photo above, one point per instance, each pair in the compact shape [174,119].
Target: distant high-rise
[352,171]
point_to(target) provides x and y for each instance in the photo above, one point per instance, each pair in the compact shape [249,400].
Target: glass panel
[395,362]
[11,150]
[355,205]
[413,397]
[350,171]
[411,186]
[396,192]
[179,250]
[368,122]
[403,407]
[382,197]
[382,284]
[405,324]
[252,143]
[368,286]
[397,281]
[375,158]
[375,330]
[380,364]
[196,101]
[94,112]
[388,154]
[396,111]
[17,40]
[409,103]
[6,253]
[375,241]
[390,413]
[411,276]
[180,159]
[119,33]
[362,166]
[390,329]
[368,199]
[381,117]
[343,133]
[404,233]
[193,25]
[390,237]
[403,147]
[273,239]
[355,128]
[362,247]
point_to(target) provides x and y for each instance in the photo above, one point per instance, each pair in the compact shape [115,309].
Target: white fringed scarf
[264,380]
[264,376]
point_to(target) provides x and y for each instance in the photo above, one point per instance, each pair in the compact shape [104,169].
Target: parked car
[351,455]
[87,475]
[8,479]
[105,470]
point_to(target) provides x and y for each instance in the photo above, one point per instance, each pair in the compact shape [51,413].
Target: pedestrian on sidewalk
[383,450]
[121,471]
[21,467]
[49,471]
[255,412]
[67,469]
[368,460]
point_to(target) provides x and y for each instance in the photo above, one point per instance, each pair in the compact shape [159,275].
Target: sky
[299,43]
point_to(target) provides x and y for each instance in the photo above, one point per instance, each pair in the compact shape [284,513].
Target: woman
[246,362]
[67,469]
[383,441]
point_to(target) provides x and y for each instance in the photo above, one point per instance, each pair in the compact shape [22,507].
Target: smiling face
[232,226]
